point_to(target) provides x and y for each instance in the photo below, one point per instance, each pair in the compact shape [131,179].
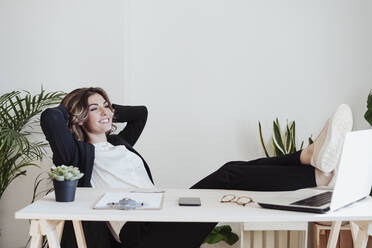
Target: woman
[79,133]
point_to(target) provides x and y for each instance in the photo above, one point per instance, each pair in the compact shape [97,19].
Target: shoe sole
[340,123]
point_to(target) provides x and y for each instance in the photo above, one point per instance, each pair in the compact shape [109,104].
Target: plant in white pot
[65,179]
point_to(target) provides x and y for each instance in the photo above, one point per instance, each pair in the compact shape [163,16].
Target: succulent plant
[65,173]
[282,145]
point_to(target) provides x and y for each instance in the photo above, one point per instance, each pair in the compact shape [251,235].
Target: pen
[128,205]
[144,191]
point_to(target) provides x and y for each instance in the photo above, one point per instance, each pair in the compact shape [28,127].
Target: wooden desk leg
[354,231]
[35,233]
[79,233]
[333,236]
[60,227]
[49,228]
[361,238]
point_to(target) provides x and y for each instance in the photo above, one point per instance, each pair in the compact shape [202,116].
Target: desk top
[210,211]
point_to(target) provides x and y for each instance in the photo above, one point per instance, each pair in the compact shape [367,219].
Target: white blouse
[117,167]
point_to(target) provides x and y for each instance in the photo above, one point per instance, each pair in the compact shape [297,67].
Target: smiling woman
[89,107]
[79,133]
[99,119]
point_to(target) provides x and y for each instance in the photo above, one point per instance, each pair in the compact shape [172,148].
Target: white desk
[47,215]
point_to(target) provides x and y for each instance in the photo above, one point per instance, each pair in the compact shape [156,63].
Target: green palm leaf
[19,117]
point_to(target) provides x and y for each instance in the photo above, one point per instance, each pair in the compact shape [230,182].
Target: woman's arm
[135,116]
[54,122]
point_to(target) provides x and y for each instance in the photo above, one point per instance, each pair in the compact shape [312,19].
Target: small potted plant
[221,233]
[65,180]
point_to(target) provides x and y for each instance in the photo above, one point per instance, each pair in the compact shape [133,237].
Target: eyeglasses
[241,200]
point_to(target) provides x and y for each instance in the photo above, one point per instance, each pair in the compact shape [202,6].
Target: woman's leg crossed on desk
[266,174]
[289,172]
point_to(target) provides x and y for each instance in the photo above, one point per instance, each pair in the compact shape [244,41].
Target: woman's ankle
[322,178]
[305,156]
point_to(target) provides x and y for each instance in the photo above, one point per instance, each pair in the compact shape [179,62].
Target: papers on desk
[149,200]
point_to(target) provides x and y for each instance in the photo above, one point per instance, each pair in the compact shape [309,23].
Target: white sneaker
[328,145]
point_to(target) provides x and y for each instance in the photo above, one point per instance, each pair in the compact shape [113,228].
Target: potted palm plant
[19,113]
[65,180]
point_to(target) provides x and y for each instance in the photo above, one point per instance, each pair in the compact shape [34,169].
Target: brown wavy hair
[76,103]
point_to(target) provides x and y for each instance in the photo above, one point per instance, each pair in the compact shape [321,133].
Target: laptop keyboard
[316,200]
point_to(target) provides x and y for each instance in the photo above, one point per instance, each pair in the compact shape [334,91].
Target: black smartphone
[189,201]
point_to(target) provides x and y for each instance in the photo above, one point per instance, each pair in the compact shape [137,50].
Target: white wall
[62,45]
[208,70]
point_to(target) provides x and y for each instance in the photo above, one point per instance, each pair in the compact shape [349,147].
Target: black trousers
[265,174]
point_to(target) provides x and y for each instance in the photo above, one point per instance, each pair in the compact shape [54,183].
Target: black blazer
[68,151]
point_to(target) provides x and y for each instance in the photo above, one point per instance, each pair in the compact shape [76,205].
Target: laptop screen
[354,174]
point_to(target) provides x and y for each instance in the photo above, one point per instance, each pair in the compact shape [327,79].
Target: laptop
[353,181]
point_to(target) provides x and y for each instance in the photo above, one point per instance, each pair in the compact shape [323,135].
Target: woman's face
[99,116]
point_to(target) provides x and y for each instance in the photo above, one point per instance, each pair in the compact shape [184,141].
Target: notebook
[353,181]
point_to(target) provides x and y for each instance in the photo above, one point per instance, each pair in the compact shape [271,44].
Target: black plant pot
[65,190]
